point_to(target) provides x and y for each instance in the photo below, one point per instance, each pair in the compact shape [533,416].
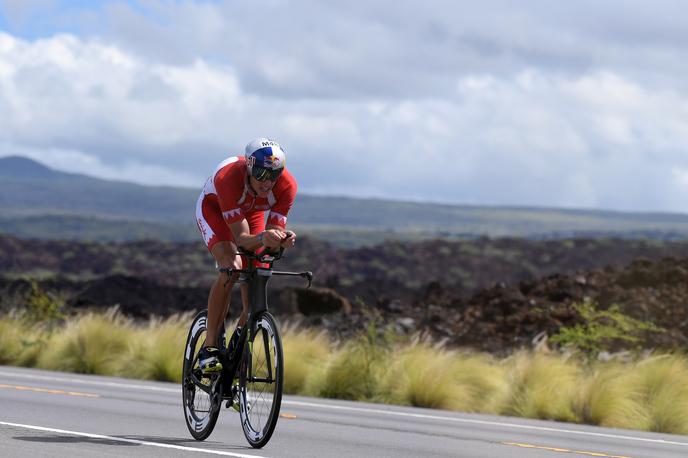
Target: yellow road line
[288,415]
[563,450]
[48,390]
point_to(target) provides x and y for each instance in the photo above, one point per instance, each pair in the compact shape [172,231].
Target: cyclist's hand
[272,238]
[289,239]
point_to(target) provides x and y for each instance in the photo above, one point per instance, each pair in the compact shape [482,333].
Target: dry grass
[423,376]
[612,396]
[156,350]
[351,373]
[543,386]
[650,394]
[484,379]
[663,380]
[88,344]
[305,354]
[12,333]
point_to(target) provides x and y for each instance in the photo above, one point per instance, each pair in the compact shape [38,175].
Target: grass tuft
[89,344]
[485,381]
[353,371]
[305,353]
[422,375]
[21,341]
[664,383]
[542,386]
[156,350]
[612,396]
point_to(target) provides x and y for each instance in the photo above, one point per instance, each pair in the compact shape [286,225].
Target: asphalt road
[58,414]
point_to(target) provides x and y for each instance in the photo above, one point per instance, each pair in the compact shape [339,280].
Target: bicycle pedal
[233,404]
[208,380]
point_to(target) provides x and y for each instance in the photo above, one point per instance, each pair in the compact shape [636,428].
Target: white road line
[482,422]
[130,441]
[131,386]
[367,410]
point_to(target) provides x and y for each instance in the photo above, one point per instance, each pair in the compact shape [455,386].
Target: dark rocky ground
[492,295]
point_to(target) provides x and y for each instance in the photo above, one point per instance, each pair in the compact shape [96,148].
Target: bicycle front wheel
[260,381]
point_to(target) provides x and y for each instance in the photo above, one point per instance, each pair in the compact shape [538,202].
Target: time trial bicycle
[252,369]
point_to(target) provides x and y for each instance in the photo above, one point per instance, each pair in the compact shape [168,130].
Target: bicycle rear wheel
[261,374]
[201,396]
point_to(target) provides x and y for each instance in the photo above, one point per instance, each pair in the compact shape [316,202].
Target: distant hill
[29,189]
[22,167]
[36,201]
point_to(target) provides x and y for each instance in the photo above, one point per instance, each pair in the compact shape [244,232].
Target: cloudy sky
[567,104]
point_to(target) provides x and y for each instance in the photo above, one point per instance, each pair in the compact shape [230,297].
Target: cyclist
[230,212]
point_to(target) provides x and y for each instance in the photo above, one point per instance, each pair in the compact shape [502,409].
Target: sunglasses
[263,174]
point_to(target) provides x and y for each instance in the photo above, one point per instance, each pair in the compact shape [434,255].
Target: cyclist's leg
[220,241]
[219,297]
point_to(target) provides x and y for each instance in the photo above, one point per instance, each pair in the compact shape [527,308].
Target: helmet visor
[263,174]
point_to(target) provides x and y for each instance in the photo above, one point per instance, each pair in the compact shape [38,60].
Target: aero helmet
[265,159]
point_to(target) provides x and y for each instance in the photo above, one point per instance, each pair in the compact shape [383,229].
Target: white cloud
[79,94]
[546,105]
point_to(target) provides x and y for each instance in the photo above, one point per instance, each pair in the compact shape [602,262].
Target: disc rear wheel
[201,396]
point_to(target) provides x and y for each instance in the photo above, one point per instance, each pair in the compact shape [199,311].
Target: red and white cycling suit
[228,198]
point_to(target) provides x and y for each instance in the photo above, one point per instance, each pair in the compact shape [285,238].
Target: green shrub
[42,306]
[353,371]
[601,330]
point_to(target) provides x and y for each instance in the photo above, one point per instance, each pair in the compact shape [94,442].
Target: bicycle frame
[258,302]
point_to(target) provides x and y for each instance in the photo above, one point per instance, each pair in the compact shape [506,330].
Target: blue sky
[36,19]
[541,103]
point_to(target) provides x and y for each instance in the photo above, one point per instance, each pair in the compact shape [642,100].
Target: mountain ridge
[30,191]
[13,166]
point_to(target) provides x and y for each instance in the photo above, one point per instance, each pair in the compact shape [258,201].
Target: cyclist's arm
[277,217]
[272,236]
[242,235]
